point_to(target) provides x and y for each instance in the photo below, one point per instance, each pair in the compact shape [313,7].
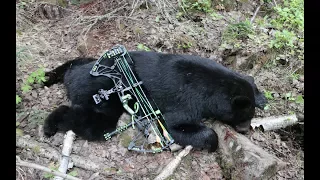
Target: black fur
[186,89]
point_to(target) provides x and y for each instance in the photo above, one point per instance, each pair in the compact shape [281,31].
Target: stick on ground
[169,169]
[95,164]
[66,151]
[42,168]
[274,122]
[255,14]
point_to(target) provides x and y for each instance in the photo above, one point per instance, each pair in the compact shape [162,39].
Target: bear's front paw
[212,142]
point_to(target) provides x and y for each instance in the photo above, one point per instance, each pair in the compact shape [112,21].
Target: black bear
[186,89]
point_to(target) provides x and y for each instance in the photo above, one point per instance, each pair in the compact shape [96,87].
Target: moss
[184,42]
[19,132]
[62,3]
[125,139]
[197,5]
[228,5]
[36,149]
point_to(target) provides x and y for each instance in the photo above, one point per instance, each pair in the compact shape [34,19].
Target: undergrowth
[237,33]
[142,47]
[36,77]
[289,25]
[196,5]
[280,33]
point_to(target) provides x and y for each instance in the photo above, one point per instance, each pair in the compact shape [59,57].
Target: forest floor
[50,33]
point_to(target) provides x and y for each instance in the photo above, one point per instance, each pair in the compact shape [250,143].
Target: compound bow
[143,115]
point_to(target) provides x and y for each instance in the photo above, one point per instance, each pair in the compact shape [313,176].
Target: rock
[300,117]
[272,32]
[57,139]
[295,82]
[153,31]
[27,136]
[153,165]
[301,78]
[34,94]
[143,171]
[45,102]
[204,176]
[194,163]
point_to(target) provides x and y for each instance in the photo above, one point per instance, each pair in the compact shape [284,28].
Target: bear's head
[235,105]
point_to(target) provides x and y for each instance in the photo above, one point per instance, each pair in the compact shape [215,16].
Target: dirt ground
[48,35]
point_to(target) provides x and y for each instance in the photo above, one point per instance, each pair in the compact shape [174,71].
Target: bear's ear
[250,79]
[260,101]
[241,102]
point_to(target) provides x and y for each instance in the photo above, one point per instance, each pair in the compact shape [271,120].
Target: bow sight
[147,120]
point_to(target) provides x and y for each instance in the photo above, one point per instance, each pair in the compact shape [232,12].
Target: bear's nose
[242,130]
[243,127]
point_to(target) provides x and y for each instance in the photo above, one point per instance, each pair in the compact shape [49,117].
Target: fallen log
[267,124]
[240,159]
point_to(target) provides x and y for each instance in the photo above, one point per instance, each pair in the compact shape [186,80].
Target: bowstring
[143,97]
[150,106]
[123,68]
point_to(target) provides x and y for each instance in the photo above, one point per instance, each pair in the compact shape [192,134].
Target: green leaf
[157,19]
[48,175]
[146,48]
[43,79]
[143,47]
[26,88]
[266,107]
[30,80]
[299,99]
[33,74]
[73,173]
[140,46]
[288,95]
[17,124]
[40,72]
[268,95]
[18,99]
[291,112]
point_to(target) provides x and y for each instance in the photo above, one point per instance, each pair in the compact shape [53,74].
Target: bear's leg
[51,122]
[199,136]
[85,122]
[191,132]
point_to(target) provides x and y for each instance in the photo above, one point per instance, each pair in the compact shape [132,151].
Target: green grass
[289,25]
[185,45]
[52,166]
[239,30]
[196,5]
[18,99]
[143,47]
[283,39]
[268,95]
